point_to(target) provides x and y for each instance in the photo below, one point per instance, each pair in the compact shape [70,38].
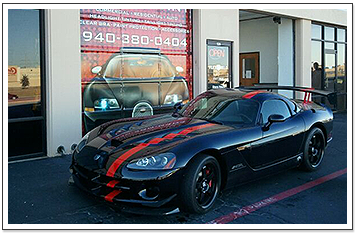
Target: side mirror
[273,119]
[276,118]
[97,69]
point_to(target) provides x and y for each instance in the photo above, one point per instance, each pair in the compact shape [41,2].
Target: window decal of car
[115,165]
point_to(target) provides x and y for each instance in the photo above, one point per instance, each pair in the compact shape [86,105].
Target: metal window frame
[323,50]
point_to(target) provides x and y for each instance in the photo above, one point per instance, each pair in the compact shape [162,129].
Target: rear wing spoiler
[331,96]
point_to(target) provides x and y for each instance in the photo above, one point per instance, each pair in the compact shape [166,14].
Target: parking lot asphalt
[39,194]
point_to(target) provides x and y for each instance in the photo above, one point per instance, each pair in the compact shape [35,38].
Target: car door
[282,139]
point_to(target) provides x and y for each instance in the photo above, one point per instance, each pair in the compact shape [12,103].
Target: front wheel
[314,150]
[200,185]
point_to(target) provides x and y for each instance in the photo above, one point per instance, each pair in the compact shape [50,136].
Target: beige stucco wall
[63,79]
[216,24]
[332,16]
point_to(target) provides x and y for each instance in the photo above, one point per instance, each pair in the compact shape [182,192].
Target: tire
[314,150]
[200,185]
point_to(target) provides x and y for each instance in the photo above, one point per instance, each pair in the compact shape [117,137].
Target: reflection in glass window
[24,92]
[330,69]
[341,68]
[330,61]
[316,31]
[316,67]
[341,35]
[329,34]
[341,80]
[154,61]
[329,46]
[218,66]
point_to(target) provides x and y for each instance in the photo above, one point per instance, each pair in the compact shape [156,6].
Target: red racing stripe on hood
[116,164]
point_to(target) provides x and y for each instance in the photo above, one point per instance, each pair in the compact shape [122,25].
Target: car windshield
[139,66]
[222,109]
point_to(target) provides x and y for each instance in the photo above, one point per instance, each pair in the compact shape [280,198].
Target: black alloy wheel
[314,150]
[200,185]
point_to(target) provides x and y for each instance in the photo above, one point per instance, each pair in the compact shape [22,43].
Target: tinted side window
[238,112]
[271,107]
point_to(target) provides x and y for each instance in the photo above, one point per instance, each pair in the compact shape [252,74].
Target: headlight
[173,98]
[106,103]
[82,143]
[158,162]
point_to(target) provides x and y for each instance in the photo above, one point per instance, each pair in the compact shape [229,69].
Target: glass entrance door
[219,64]
[25,85]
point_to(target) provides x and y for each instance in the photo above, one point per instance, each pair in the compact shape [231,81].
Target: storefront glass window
[329,46]
[330,70]
[341,82]
[218,65]
[316,67]
[341,35]
[329,64]
[316,31]
[135,62]
[24,92]
[25,109]
[329,34]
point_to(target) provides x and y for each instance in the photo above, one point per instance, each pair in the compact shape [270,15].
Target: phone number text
[133,39]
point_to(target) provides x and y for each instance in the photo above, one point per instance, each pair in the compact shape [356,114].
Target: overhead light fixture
[277,20]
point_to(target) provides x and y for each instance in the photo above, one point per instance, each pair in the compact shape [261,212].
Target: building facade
[76,69]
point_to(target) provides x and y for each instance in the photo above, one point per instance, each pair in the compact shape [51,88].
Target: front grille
[104,186]
[101,185]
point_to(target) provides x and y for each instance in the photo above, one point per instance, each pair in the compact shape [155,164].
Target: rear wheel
[314,150]
[200,186]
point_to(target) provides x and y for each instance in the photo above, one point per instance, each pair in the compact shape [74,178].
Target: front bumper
[126,194]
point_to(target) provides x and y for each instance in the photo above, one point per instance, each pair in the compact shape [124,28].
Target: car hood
[139,139]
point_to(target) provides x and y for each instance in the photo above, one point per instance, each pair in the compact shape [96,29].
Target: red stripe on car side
[114,167]
[111,195]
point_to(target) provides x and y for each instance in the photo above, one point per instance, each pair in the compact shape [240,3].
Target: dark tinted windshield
[222,109]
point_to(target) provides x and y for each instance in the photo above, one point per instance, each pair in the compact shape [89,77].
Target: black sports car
[220,139]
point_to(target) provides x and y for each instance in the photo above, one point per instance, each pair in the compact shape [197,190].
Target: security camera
[277,20]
